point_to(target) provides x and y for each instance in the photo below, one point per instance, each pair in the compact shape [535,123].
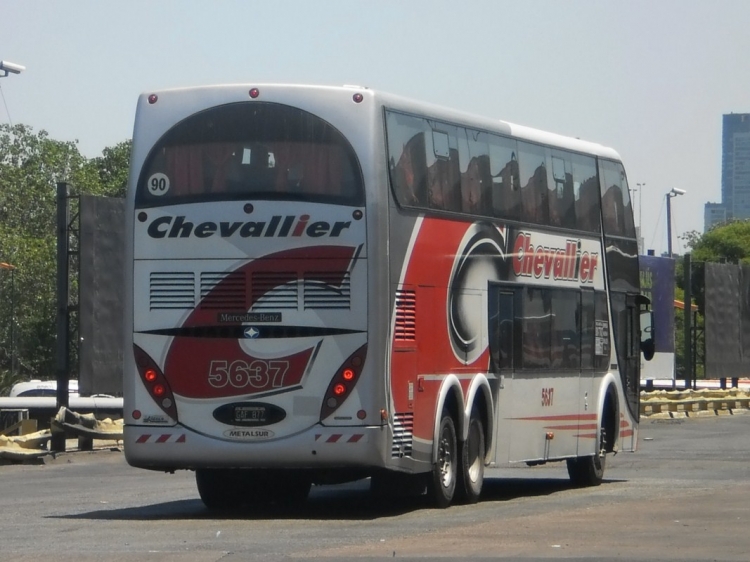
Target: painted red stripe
[587,435]
[181,438]
[317,436]
[334,438]
[143,438]
[580,426]
[355,438]
[624,423]
[565,417]
[627,433]
[163,438]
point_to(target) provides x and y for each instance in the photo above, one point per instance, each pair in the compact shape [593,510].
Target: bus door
[625,313]
[503,344]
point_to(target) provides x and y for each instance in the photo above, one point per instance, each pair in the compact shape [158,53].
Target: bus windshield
[251,150]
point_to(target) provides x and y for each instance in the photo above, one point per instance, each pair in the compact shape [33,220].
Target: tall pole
[63,321]
[669,224]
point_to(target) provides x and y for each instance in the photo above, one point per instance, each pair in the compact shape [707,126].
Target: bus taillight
[343,382]
[155,382]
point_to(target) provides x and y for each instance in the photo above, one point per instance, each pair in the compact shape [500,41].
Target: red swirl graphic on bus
[214,367]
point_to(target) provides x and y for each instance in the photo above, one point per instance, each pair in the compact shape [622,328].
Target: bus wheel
[444,472]
[292,489]
[218,488]
[472,463]
[589,471]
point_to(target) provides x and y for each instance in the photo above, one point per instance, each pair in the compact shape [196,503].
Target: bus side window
[476,180]
[560,196]
[407,153]
[586,192]
[506,185]
[444,174]
[617,212]
[532,162]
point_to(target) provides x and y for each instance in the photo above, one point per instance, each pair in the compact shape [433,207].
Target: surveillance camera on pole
[676,191]
[10,67]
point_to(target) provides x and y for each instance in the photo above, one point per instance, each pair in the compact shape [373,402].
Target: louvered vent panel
[171,290]
[406,316]
[223,290]
[275,291]
[327,290]
[403,432]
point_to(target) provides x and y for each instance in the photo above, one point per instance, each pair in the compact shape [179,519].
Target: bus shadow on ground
[350,501]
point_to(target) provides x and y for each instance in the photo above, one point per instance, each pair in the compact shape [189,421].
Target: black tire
[289,488]
[473,452]
[218,488]
[445,470]
[589,471]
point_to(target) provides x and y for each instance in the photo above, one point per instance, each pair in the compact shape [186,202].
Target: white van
[37,387]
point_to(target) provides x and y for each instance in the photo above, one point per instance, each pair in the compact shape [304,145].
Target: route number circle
[158,184]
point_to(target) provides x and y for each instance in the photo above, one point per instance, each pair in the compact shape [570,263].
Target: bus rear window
[251,150]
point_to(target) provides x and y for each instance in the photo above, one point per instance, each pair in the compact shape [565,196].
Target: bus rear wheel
[473,451]
[444,472]
[218,487]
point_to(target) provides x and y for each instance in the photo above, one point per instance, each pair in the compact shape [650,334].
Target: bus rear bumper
[176,448]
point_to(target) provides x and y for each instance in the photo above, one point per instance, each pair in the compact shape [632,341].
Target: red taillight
[343,382]
[155,382]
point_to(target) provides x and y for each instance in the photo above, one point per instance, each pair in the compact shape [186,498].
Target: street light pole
[673,193]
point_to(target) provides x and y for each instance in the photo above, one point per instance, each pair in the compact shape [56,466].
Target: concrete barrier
[684,403]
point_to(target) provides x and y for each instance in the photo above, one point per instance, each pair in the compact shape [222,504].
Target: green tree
[31,164]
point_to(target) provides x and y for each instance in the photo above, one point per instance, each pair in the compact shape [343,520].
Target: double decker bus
[331,283]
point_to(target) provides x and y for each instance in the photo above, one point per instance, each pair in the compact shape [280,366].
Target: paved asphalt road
[684,496]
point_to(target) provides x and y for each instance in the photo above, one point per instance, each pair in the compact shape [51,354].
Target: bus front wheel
[589,471]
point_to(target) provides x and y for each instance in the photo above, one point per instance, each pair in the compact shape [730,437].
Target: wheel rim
[445,459]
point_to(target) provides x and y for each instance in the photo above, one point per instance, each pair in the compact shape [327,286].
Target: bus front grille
[403,432]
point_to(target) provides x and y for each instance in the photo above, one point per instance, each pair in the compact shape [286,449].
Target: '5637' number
[257,375]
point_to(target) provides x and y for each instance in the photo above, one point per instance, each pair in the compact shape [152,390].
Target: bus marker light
[159,390]
[331,403]
[150,375]
[254,92]
[339,389]
[136,414]
[358,98]
[153,98]
[361,414]
[167,403]
[357,215]
[348,374]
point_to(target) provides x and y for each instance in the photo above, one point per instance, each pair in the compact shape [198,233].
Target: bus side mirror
[648,345]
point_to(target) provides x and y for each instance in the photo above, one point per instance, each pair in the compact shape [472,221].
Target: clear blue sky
[648,78]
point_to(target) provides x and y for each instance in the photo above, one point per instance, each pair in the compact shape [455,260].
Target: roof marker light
[254,92]
[358,98]
[153,98]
